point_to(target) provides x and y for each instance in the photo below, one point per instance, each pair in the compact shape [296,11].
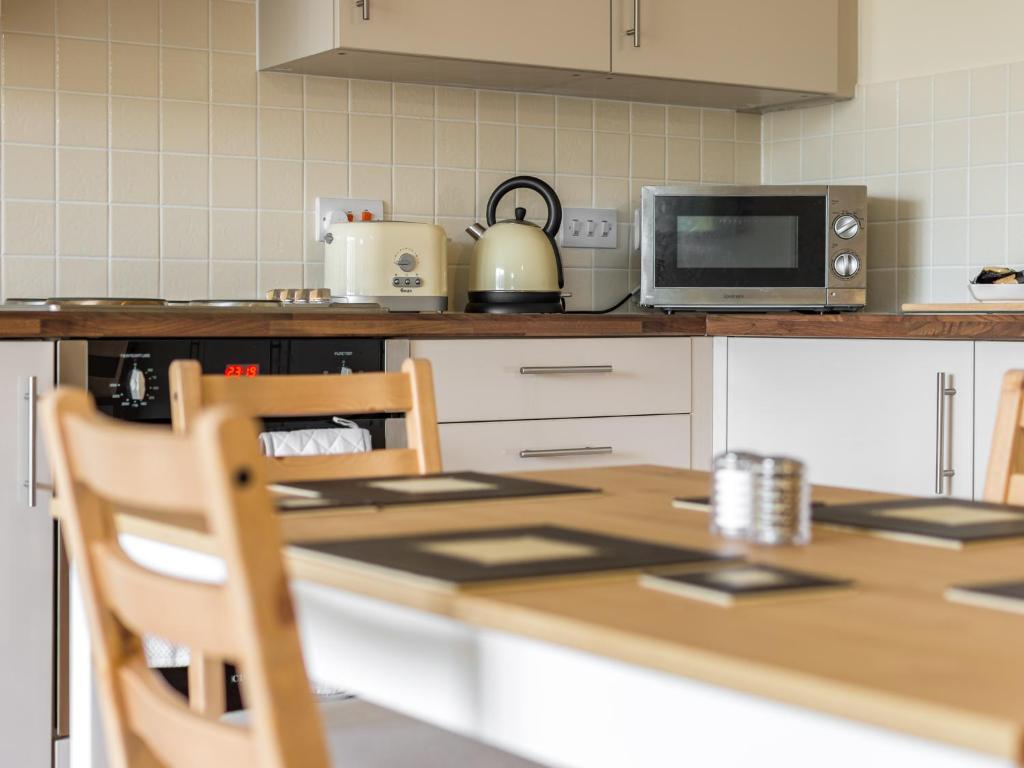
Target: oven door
[730,247]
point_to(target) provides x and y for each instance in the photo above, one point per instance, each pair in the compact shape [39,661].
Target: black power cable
[612,308]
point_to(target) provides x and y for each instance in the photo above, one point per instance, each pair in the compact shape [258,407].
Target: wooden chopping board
[972,307]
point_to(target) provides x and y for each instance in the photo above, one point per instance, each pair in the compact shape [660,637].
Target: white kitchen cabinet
[861,413]
[992,359]
[26,564]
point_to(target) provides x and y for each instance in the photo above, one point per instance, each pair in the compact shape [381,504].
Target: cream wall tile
[881,105]
[535,149]
[82,18]
[185,23]
[785,158]
[325,180]
[370,138]
[611,116]
[278,275]
[28,116]
[882,198]
[575,191]
[28,59]
[280,185]
[849,115]
[580,283]
[233,78]
[233,279]
[718,162]
[848,155]
[134,124]
[456,103]
[135,21]
[574,113]
[233,26]
[135,278]
[456,193]
[683,159]
[882,237]
[185,279]
[456,145]
[988,90]
[486,182]
[1015,189]
[372,181]
[414,141]
[786,125]
[497,106]
[233,236]
[748,127]
[914,243]
[278,89]
[81,65]
[185,233]
[916,148]
[29,172]
[748,163]
[414,191]
[683,121]
[1017,86]
[82,230]
[28,229]
[915,196]
[1016,140]
[186,180]
[916,100]
[949,241]
[326,136]
[647,118]
[134,177]
[81,120]
[535,109]
[280,236]
[370,96]
[186,127]
[988,190]
[328,93]
[83,175]
[816,121]
[134,232]
[954,89]
[987,241]
[647,157]
[280,133]
[497,147]
[233,130]
[29,16]
[988,140]
[881,152]
[816,158]
[414,100]
[28,277]
[185,74]
[951,145]
[611,154]
[134,70]
[574,152]
[82,277]
[233,182]
[950,193]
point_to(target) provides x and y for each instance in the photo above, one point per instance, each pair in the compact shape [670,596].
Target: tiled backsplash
[143,155]
[943,159]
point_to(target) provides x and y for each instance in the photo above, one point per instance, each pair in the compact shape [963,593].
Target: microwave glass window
[737,242]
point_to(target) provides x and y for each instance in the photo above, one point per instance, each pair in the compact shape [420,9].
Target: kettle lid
[519,219]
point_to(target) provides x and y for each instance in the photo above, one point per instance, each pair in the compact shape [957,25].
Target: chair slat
[382,463]
[187,613]
[311,395]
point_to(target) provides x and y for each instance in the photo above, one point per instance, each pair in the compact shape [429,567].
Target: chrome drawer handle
[365,5]
[635,31]
[30,441]
[533,370]
[548,453]
[944,394]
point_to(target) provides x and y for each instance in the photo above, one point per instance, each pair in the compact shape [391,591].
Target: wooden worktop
[198,323]
[891,652]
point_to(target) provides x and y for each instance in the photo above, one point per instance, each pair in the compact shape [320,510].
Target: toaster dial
[406,262]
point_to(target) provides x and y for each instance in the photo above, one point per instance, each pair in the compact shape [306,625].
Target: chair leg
[206,687]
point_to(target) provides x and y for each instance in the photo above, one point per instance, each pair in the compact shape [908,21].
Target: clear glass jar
[733,494]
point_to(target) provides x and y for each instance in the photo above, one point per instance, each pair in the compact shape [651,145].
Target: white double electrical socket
[331,210]
[590,228]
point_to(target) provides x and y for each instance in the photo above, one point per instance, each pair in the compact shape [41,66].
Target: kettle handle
[540,187]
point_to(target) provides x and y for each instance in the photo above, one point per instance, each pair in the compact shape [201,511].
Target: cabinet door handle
[944,394]
[30,441]
[365,5]
[549,453]
[635,31]
[536,370]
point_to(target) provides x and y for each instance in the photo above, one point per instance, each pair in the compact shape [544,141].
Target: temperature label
[242,370]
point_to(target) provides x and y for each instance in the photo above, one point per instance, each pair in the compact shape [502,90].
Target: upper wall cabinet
[719,53]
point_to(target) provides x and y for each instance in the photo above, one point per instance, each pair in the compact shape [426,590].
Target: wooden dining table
[596,671]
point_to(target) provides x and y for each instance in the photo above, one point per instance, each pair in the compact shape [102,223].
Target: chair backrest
[410,392]
[1004,483]
[104,468]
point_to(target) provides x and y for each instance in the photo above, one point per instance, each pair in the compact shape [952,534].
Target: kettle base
[515,302]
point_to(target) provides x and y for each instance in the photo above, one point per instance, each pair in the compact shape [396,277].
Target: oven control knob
[846,226]
[137,384]
[846,264]
[406,262]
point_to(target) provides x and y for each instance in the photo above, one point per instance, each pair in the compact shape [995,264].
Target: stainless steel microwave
[755,248]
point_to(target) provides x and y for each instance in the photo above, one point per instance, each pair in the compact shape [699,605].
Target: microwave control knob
[846,265]
[846,226]
[406,262]
[137,384]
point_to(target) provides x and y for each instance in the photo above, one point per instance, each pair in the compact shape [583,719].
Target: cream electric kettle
[516,266]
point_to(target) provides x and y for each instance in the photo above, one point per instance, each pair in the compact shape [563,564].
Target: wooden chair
[1005,481]
[410,392]
[214,473]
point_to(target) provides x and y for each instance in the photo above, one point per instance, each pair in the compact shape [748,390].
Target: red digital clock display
[242,370]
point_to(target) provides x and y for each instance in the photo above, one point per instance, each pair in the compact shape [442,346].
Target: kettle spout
[476,230]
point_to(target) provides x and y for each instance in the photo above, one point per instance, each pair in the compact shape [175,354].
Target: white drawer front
[485,380]
[520,446]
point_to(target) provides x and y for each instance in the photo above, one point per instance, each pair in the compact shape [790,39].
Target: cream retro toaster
[401,265]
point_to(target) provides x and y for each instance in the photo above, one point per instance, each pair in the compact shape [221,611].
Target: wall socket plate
[331,210]
[590,228]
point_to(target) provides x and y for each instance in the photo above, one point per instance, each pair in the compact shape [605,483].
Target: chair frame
[1004,483]
[103,468]
[410,392]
